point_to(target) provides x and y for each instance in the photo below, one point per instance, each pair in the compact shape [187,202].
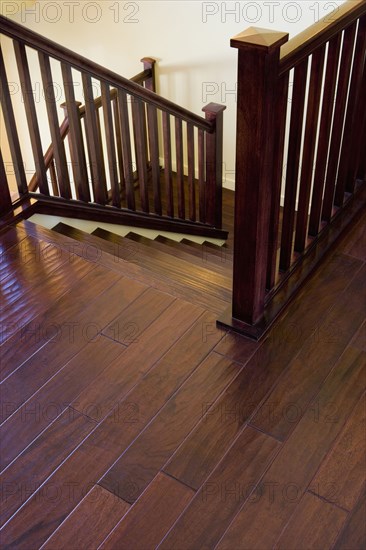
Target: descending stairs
[198,273]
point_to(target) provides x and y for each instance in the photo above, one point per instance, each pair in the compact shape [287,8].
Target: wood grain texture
[294,467]
[91,521]
[157,510]
[287,403]
[353,535]
[37,462]
[223,493]
[52,399]
[315,524]
[148,454]
[342,475]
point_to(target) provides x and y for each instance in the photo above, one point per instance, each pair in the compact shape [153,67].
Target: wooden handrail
[81,63]
[302,45]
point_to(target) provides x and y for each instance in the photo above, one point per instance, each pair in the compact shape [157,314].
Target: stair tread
[178,251]
[108,257]
[201,251]
[217,250]
[174,268]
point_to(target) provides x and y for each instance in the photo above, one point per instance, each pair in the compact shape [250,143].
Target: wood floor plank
[37,462]
[156,510]
[343,474]
[71,337]
[123,373]
[90,523]
[287,403]
[18,431]
[153,448]
[222,495]
[128,327]
[353,534]
[354,242]
[14,259]
[12,236]
[36,521]
[315,524]
[264,363]
[84,282]
[296,464]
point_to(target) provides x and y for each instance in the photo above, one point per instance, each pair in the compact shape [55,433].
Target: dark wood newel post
[149,64]
[214,143]
[258,69]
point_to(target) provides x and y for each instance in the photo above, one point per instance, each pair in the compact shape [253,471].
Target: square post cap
[265,40]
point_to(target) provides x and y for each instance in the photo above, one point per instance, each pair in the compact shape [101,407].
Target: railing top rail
[302,45]
[34,40]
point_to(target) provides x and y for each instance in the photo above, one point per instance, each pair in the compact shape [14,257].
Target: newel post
[258,65]
[149,64]
[214,113]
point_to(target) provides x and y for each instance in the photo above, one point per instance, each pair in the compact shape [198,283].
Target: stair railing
[308,146]
[135,136]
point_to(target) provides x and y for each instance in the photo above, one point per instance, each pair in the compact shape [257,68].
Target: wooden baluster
[57,142]
[154,155]
[191,174]
[11,130]
[77,151]
[149,63]
[312,117]
[31,115]
[258,63]
[293,160]
[274,223]
[201,176]
[355,108]
[168,177]
[5,198]
[54,182]
[95,147]
[118,135]
[139,127]
[359,157]
[126,149]
[338,121]
[179,168]
[214,142]
[330,82]
[111,151]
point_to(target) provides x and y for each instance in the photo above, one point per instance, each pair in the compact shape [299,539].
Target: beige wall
[190,40]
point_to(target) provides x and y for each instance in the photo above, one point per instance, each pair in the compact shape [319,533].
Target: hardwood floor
[129,420]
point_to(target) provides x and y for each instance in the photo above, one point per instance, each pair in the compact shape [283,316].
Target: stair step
[176,269]
[177,250]
[210,259]
[218,251]
[129,267]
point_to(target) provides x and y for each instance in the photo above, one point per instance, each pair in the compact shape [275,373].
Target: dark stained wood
[295,465]
[90,523]
[338,120]
[111,150]
[207,517]
[342,475]
[179,166]
[153,135]
[293,157]
[126,148]
[75,137]
[353,535]
[63,180]
[191,172]
[45,406]
[201,176]
[330,81]
[118,138]
[169,428]
[256,83]
[94,143]
[168,164]
[214,114]
[11,130]
[286,405]
[354,114]
[5,198]
[37,462]
[158,509]
[315,524]
[310,137]
[140,135]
